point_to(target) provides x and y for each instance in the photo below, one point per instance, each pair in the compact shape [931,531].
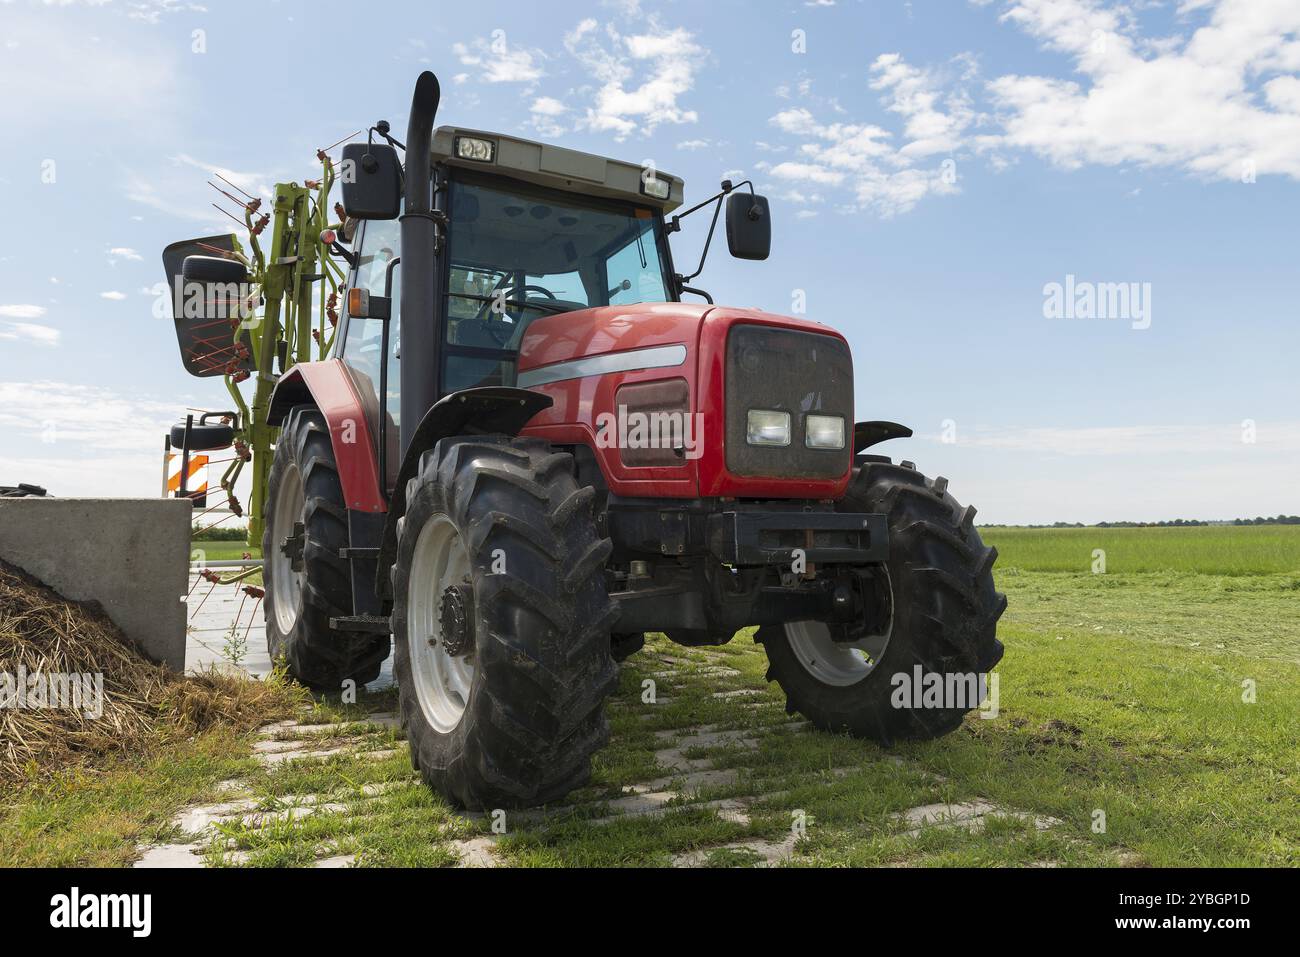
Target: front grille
[789,371]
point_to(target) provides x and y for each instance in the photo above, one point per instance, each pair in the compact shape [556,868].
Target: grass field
[1162,697]
[1203,549]
[223,551]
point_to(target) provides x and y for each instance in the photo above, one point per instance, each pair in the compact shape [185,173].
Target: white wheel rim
[831,662]
[442,683]
[286,584]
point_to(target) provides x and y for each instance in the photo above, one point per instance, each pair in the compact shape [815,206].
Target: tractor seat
[204,438]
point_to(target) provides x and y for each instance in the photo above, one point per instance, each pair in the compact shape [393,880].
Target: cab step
[374,624]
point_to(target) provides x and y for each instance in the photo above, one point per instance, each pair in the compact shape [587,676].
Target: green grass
[1212,550]
[95,819]
[1120,693]
[223,551]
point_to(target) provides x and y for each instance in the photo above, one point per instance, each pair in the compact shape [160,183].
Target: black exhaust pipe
[421,348]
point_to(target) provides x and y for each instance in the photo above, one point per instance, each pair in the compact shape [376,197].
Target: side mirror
[372,181]
[209,297]
[749,226]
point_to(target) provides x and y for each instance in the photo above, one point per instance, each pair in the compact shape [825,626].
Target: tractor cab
[525,230]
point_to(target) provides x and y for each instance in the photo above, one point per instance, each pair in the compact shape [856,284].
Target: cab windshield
[517,254]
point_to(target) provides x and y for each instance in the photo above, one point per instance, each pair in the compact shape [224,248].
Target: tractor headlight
[768,427]
[824,432]
[473,148]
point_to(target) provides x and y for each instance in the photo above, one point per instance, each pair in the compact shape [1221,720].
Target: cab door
[362,339]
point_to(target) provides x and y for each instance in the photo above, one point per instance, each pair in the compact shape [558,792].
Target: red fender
[328,385]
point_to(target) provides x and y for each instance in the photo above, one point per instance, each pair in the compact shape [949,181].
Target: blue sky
[933,166]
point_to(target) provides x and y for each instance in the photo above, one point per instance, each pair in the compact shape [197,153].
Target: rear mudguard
[491,410]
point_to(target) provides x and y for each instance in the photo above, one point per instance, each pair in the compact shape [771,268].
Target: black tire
[534,712]
[944,616]
[314,653]
[624,646]
[203,438]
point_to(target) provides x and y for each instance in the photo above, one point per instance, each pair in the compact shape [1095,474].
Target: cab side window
[378,245]
[635,273]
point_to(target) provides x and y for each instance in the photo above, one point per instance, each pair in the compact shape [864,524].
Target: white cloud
[63,70]
[808,172]
[548,106]
[21,311]
[113,294]
[123,252]
[1220,101]
[886,178]
[496,61]
[546,113]
[86,417]
[252,183]
[640,76]
[179,190]
[692,145]
[32,332]
[1130,440]
[1217,103]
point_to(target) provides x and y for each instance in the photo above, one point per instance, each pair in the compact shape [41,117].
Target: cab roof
[556,167]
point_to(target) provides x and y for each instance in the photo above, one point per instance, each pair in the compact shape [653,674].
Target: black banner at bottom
[235,906]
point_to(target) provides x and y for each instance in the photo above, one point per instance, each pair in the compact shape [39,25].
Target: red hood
[589,332]
[581,396]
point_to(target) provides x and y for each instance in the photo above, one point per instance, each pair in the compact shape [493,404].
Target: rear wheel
[306,581]
[931,609]
[502,623]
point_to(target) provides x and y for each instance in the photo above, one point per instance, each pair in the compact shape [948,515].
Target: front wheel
[913,666]
[501,623]
[307,583]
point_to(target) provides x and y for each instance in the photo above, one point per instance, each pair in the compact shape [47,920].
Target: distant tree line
[1176,523]
[211,534]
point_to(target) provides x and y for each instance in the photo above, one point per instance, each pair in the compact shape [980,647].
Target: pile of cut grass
[142,706]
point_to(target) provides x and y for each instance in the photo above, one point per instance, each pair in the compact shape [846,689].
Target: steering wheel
[507,331]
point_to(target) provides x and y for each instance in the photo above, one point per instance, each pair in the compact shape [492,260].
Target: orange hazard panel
[198,464]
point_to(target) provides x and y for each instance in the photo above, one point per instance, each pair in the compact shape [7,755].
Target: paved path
[682,774]
[221,616]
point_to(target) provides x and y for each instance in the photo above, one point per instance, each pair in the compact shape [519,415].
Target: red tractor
[535,452]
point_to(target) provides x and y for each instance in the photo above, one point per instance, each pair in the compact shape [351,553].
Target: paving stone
[769,853]
[717,671]
[341,860]
[972,816]
[196,820]
[260,819]
[476,852]
[715,777]
[299,753]
[273,746]
[675,760]
[169,855]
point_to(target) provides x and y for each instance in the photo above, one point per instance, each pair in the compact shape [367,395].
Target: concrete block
[129,555]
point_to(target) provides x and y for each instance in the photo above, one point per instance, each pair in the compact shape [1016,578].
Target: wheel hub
[292,547]
[842,654]
[456,618]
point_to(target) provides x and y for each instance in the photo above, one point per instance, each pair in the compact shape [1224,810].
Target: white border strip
[634,360]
